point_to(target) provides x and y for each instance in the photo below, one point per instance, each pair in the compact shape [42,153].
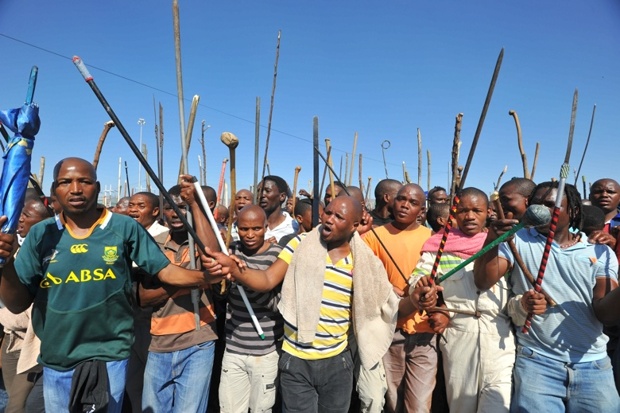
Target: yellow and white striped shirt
[335,314]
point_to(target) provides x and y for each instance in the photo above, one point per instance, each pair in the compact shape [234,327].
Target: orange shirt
[404,247]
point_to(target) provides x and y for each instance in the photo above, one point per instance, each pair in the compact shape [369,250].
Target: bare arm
[13,293]
[606,301]
[182,277]
[230,266]
[150,297]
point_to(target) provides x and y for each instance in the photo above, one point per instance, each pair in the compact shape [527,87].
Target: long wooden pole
[185,141]
[256,147]
[273,92]
[428,172]
[419,158]
[352,159]
[316,197]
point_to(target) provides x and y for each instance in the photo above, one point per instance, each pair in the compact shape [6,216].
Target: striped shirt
[335,313]
[241,335]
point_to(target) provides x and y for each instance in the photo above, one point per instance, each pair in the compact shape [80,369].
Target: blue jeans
[555,386]
[316,385]
[178,381]
[57,387]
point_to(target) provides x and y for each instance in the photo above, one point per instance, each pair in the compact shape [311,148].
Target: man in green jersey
[77,272]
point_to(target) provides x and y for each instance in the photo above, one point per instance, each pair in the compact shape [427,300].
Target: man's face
[605,194]
[243,198]
[141,209]
[337,221]
[513,202]
[76,187]
[31,214]
[471,214]
[438,197]
[171,217]
[251,227]
[270,197]
[328,193]
[546,197]
[408,204]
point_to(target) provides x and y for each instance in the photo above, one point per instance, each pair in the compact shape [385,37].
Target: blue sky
[381,69]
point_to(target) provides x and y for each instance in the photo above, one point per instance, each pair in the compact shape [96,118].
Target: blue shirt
[570,331]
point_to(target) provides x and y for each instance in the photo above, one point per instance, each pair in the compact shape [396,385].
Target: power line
[146,85]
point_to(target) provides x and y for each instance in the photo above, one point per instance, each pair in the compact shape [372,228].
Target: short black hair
[522,186]
[435,189]
[302,206]
[475,192]
[281,184]
[593,219]
[436,211]
[383,187]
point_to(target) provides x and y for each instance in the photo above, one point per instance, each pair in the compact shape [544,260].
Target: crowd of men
[370,310]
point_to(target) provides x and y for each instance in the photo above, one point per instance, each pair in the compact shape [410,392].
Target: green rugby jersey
[82,287]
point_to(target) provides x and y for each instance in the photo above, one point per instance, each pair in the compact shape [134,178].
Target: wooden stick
[329,154]
[41,171]
[352,159]
[456,145]
[256,147]
[231,141]
[428,176]
[297,169]
[346,171]
[160,171]
[419,157]
[476,313]
[368,190]
[220,185]
[359,176]
[526,172]
[104,133]
[535,161]
[273,92]
[499,179]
